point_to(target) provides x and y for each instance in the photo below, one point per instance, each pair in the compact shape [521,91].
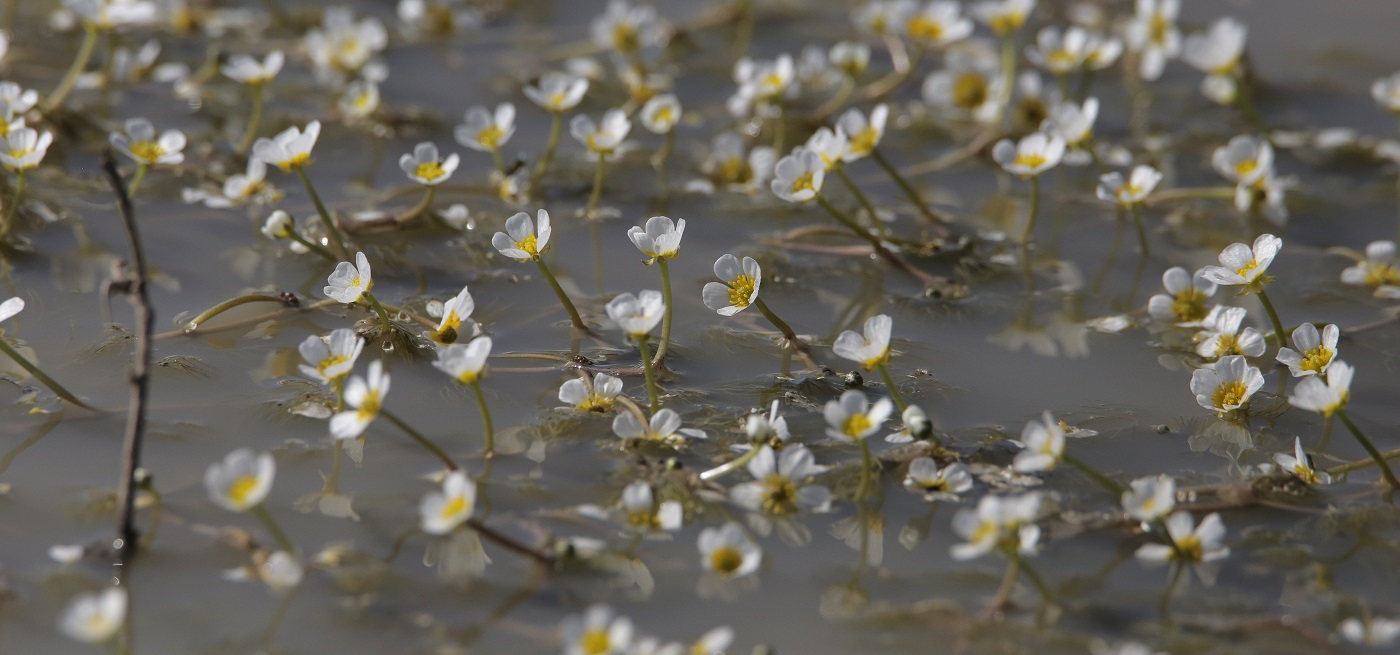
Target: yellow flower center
[1190,547]
[735,170]
[595,403]
[1229,395]
[147,151]
[933,484]
[595,641]
[241,488]
[530,245]
[1244,270]
[430,170]
[625,39]
[740,291]
[1030,160]
[454,506]
[296,161]
[664,116]
[856,425]
[726,560]
[490,137]
[1008,22]
[779,495]
[970,91]
[985,530]
[1227,344]
[864,141]
[1244,168]
[1378,275]
[804,181]
[1316,359]
[327,363]
[1032,111]
[468,377]
[556,100]
[1305,473]
[922,27]
[1189,304]
[1159,29]
[369,407]
[1060,59]
[362,101]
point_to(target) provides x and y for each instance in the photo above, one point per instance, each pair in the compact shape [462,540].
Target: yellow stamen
[530,245]
[740,291]
[970,91]
[1229,395]
[455,506]
[1244,270]
[1316,359]
[1189,304]
[1030,160]
[1227,344]
[147,151]
[239,491]
[924,28]
[726,560]
[595,641]
[779,495]
[430,171]
[856,425]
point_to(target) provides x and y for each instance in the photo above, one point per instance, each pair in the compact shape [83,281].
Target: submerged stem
[647,366]
[1141,229]
[867,464]
[254,120]
[423,441]
[383,315]
[194,323]
[1279,334]
[894,388]
[559,291]
[793,341]
[1107,482]
[80,62]
[592,209]
[855,191]
[485,418]
[556,121]
[661,263]
[904,185]
[1370,449]
[39,375]
[260,511]
[1033,211]
[332,230]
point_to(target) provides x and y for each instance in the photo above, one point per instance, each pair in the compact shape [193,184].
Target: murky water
[982,365]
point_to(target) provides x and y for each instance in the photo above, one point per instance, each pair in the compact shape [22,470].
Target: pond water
[1009,336]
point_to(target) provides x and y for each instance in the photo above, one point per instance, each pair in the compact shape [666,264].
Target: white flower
[25,148]
[1386,91]
[10,308]
[601,139]
[1043,446]
[939,23]
[664,427]
[1242,264]
[766,428]
[248,70]
[641,509]
[425,166]
[916,426]
[1377,632]
[454,312]
[766,81]
[360,100]
[365,396]
[1244,160]
[1185,299]
[442,511]
[660,239]
[280,571]
[139,142]
[1300,464]
[1057,53]
[997,521]
[279,225]
[969,85]
[626,28]
[871,349]
[241,481]
[241,188]
[1152,33]
[1266,195]
[1221,335]
[728,552]
[737,288]
[109,14]
[1314,353]
[831,145]
[1218,51]
[637,315]
[1380,269]
[1228,385]
[330,358]
[291,148]
[862,136]
[1075,124]
[341,45]
[660,114]
[1003,16]
[1103,51]
[557,92]
[935,483]
[1197,543]
[595,396]
[1325,398]
[486,131]
[779,483]
[1033,155]
[798,177]
[596,633]
[1140,183]
[881,17]
[522,241]
[731,166]
[853,417]
[465,362]
[348,282]
[15,100]
[852,57]
[1150,499]
[95,618]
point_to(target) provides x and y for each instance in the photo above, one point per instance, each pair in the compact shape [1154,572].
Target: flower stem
[903,184]
[1370,449]
[793,341]
[867,464]
[313,247]
[13,212]
[1008,76]
[559,291]
[1273,315]
[1196,193]
[779,130]
[383,315]
[597,193]
[500,161]
[661,263]
[254,120]
[894,388]
[423,441]
[1034,576]
[422,206]
[855,191]
[278,535]
[137,179]
[80,62]
[1107,482]
[556,121]
[39,375]
[1034,210]
[194,323]
[730,466]
[667,144]
[1141,229]
[654,404]
[333,231]
[485,418]
[875,244]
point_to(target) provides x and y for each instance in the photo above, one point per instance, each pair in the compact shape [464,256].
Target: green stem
[1093,151]
[1195,193]
[1273,315]
[1062,79]
[80,62]
[39,375]
[1370,449]
[650,375]
[485,418]
[137,179]
[278,535]
[423,441]
[555,124]
[793,341]
[867,464]
[194,323]
[332,230]
[855,191]
[730,466]
[875,244]
[1008,76]
[1034,209]
[1086,79]
[667,144]
[422,206]
[313,247]
[1034,576]
[500,161]
[1141,229]
[894,388]
[254,120]
[904,185]
[1107,482]
[779,130]
[13,212]
[597,193]
[559,291]
[383,314]
[666,319]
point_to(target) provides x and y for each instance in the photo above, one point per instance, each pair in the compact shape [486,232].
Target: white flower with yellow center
[1152,33]
[250,71]
[487,131]
[1325,398]
[938,24]
[440,512]
[851,57]
[799,176]
[557,92]
[330,358]
[25,149]
[279,225]
[241,481]
[862,135]
[601,139]
[524,239]
[1221,335]
[1140,183]
[342,45]
[883,17]
[852,417]
[364,396]
[640,509]
[731,166]
[456,311]
[1185,299]
[241,188]
[1266,196]
[1042,446]
[280,571]
[1195,543]
[1386,91]
[1075,124]
[1379,270]
[663,427]
[15,100]
[1374,631]
[1242,264]
[1244,160]
[360,100]
[659,239]
[597,395]
[916,426]
[348,282]
[727,552]
[1300,464]
[1150,499]
[626,28]
[138,141]
[1227,386]
[110,14]
[769,429]
[1218,51]
[95,617]
[1060,53]
[1315,352]
[660,114]
[738,286]
[766,81]
[426,166]
[969,86]
[465,363]
[947,483]
[830,145]
[1102,51]
[597,632]
[998,521]
[290,149]
[1003,16]
[780,485]
[1034,154]
[637,315]
[870,349]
